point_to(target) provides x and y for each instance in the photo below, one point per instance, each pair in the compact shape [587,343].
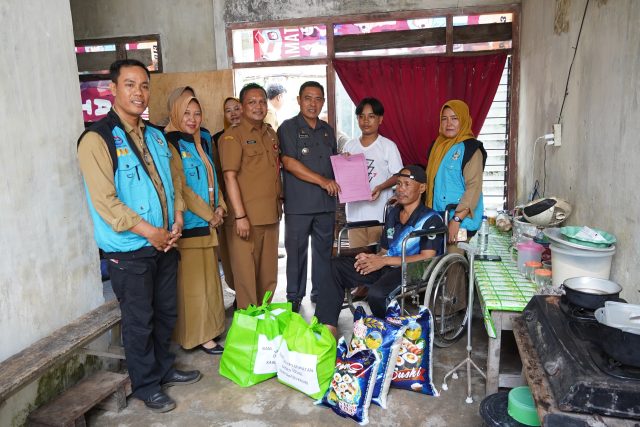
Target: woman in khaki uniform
[201,314]
[232,116]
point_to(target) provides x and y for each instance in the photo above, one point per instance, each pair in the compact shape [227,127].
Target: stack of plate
[592,237]
[566,236]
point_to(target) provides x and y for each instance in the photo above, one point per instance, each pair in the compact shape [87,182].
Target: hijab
[230,98]
[176,114]
[444,144]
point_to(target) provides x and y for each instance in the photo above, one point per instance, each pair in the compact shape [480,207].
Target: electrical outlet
[557,134]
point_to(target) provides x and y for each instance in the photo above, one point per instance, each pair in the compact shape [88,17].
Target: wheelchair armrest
[430,232]
[362,224]
[450,206]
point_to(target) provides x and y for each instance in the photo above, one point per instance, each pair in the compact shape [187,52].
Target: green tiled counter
[500,285]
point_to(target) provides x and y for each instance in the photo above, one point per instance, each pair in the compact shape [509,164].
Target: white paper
[266,355]
[590,235]
[298,370]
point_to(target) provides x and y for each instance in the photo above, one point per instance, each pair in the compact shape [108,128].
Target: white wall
[49,271]
[597,168]
[185,26]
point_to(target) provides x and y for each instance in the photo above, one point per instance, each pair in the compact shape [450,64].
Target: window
[495,137]
[270,51]
[94,58]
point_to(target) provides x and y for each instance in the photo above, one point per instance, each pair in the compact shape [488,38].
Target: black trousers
[297,230]
[380,283]
[146,289]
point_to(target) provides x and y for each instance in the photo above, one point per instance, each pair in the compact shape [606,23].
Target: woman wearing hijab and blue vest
[201,314]
[454,176]
[454,170]
[381,272]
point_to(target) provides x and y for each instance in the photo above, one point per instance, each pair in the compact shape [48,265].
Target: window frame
[449,13]
[121,51]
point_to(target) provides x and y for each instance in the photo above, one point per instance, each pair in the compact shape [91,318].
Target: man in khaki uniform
[250,163]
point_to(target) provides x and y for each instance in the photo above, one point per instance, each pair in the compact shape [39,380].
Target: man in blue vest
[381,272]
[136,206]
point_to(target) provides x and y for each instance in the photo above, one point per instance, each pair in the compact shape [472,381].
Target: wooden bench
[35,360]
[107,390]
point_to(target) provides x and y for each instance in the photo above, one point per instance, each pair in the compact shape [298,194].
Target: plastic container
[483,237]
[530,267]
[542,278]
[570,262]
[528,251]
[522,407]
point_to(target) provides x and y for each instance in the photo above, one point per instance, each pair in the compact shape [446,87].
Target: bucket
[571,262]
[528,251]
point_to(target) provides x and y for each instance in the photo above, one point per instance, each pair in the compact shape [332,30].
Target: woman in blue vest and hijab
[454,171]
[454,176]
[201,315]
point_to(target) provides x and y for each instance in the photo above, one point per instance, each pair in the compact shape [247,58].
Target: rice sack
[413,370]
[349,394]
[384,338]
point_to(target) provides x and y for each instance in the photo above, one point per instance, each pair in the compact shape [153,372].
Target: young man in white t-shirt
[383,160]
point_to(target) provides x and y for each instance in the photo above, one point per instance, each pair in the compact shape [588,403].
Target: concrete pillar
[49,270]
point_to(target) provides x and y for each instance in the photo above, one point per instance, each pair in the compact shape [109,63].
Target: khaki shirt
[97,169]
[472,174]
[254,154]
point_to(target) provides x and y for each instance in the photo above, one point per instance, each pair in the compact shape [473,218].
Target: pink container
[528,251]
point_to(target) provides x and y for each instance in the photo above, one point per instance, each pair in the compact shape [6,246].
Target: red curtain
[413,90]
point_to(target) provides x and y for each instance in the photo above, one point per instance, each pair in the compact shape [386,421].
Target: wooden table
[503,293]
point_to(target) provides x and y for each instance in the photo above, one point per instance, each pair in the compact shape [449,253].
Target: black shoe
[181,378]
[218,349]
[295,306]
[160,402]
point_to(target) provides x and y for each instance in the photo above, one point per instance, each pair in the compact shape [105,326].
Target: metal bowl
[590,292]
[592,285]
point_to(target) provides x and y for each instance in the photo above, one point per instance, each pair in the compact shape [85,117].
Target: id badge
[462,235]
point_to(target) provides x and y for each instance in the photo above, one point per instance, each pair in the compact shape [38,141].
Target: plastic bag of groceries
[384,338]
[414,364]
[351,389]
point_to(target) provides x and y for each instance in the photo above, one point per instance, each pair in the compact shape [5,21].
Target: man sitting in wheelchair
[381,272]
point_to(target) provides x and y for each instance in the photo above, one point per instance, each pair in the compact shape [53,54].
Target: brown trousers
[360,237]
[254,263]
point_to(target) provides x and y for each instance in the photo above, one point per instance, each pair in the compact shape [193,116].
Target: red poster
[96,99]
[271,44]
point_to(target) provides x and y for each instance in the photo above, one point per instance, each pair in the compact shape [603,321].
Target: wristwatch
[456,218]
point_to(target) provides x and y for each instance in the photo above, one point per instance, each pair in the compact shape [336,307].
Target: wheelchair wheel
[446,297]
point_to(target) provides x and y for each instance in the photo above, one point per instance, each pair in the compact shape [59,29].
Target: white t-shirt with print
[383,160]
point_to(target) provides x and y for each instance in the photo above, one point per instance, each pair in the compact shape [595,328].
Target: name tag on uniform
[303,135]
[250,142]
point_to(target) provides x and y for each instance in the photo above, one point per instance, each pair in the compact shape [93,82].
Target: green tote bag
[253,342]
[307,356]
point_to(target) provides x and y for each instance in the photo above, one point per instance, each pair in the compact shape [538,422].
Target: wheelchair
[440,282]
